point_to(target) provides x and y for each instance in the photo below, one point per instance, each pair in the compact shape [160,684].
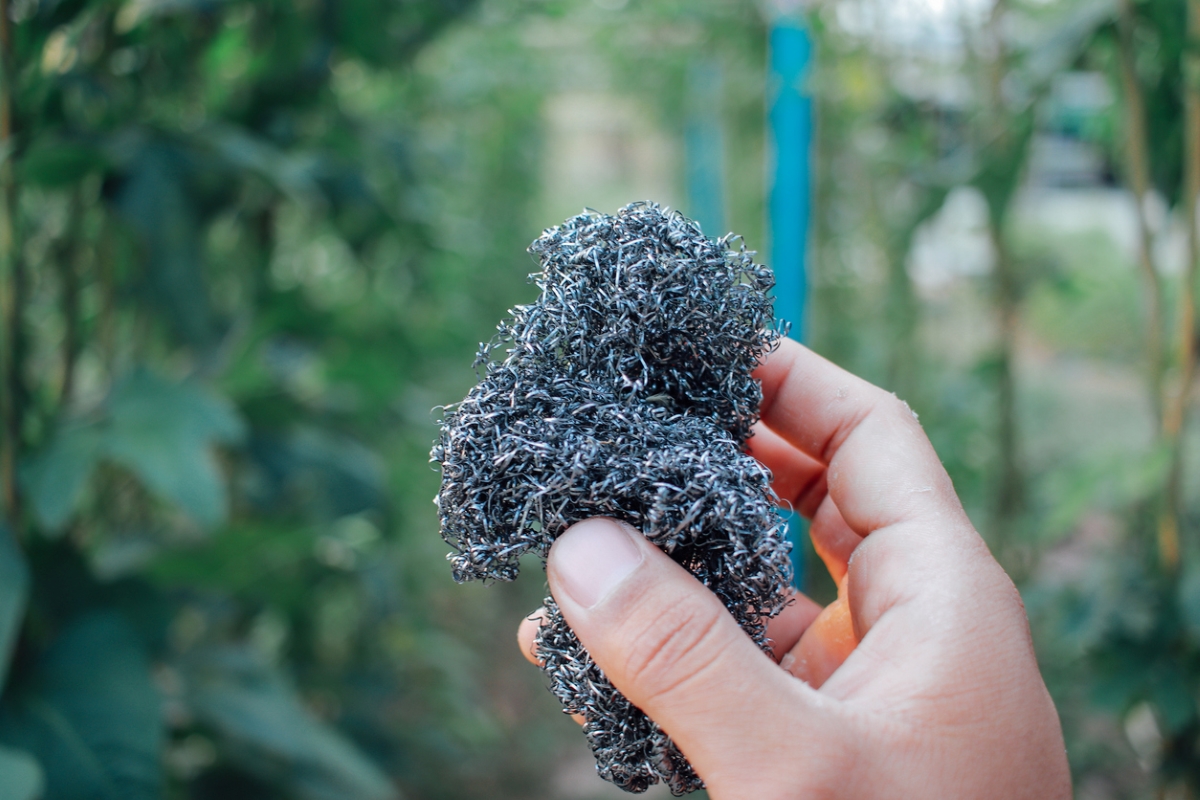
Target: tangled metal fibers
[623,391]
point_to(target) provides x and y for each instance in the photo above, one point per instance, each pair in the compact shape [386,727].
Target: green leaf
[91,715]
[340,475]
[356,211]
[164,432]
[1189,600]
[327,475]
[410,26]
[21,776]
[14,593]
[55,163]
[1174,700]
[158,202]
[1121,674]
[263,726]
[145,400]
[55,479]
[292,175]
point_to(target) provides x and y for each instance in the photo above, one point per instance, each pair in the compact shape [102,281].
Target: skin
[920,681]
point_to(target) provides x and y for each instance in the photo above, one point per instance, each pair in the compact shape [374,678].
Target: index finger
[880,467]
[920,555]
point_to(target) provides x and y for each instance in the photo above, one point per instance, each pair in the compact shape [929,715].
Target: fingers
[798,479]
[884,481]
[669,646]
[833,539]
[881,468]
[825,644]
[784,629]
[527,636]
[527,641]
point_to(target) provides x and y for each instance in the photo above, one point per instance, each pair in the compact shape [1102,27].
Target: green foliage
[1114,622]
[262,724]
[263,239]
[1084,299]
[56,163]
[90,713]
[162,433]
[14,593]
[240,308]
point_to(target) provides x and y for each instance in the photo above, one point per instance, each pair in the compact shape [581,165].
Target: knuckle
[673,650]
[898,409]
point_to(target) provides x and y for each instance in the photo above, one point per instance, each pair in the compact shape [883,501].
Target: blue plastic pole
[704,139]
[791,124]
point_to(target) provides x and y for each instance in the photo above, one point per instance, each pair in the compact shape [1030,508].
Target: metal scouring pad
[625,391]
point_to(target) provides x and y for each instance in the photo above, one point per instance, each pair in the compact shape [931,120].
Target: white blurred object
[932,25]
[954,243]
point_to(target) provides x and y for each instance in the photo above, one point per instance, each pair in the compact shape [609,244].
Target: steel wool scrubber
[623,391]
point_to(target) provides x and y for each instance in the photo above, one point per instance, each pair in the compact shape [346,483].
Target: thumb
[670,646]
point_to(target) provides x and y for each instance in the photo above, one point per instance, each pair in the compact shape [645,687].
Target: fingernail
[592,558]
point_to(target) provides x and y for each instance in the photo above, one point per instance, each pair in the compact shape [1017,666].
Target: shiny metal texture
[625,390]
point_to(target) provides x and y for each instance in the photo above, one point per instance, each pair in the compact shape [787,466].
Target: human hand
[919,681]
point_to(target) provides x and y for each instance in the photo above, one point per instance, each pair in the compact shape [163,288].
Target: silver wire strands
[624,390]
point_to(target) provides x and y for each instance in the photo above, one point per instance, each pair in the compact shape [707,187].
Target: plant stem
[1010,492]
[106,321]
[68,271]
[1006,294]
[12,270]
[1175,416]
[1137,154]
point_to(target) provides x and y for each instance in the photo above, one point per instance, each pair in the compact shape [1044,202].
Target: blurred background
[247,247]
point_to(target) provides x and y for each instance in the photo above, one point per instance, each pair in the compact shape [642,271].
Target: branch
[1138,168]
[12,270]
[1175,418]
[68,271]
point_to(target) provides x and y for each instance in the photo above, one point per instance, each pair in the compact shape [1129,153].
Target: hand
[920,681]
